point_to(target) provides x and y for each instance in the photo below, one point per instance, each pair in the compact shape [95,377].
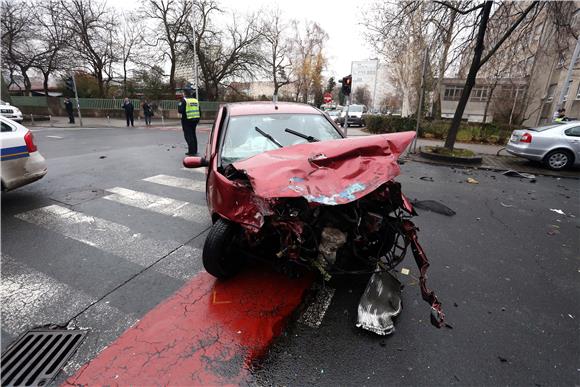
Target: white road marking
[111,237]
[314,313]
[200,171]
[159,204]
[58,137]
[178,182]
[30,298]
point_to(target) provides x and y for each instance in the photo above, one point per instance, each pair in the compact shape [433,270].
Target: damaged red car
[284,185]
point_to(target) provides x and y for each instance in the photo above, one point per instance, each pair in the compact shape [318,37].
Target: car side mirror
[195,162]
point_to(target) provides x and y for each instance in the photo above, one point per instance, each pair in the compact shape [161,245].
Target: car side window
[6,127]
[574,132]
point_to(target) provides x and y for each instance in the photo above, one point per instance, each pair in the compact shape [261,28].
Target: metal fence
[108,104]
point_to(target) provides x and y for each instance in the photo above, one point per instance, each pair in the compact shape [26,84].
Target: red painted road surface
[208,333]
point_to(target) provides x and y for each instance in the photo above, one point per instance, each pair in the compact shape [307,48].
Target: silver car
[556,145]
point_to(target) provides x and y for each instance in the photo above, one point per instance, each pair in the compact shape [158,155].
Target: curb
[545,173]
[451,159]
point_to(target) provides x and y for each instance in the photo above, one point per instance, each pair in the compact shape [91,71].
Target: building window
[479,94]
[550,93]
[452,93]
[566,90]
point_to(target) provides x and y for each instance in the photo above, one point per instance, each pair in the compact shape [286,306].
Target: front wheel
[558,159]
[219,258]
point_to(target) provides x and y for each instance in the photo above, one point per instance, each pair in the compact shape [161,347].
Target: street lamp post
[194,49]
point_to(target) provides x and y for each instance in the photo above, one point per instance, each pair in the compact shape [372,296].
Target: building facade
[373,75]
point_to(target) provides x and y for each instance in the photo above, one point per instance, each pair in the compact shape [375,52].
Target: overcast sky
[345,42]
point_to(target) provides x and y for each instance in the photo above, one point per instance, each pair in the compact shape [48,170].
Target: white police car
[22,163]
[9,111]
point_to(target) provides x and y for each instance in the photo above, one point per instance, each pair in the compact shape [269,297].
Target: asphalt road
[505,266]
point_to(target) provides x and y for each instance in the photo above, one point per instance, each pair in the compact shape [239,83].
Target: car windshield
[355,108]
[242,140]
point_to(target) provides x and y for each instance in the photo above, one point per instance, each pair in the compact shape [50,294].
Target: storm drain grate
[38,355]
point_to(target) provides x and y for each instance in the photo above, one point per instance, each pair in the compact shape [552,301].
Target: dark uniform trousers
[189,134]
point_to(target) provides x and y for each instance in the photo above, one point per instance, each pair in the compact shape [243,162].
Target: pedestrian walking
[69,110]
[190,114]
[147,112]
[129,109]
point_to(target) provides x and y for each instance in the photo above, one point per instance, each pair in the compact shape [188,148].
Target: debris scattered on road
[103,157]
[513,173]
[471,180]
[506,205]
[426,178]
[557,211]
[405,271]
[379,304]
[433,206]
[502,359]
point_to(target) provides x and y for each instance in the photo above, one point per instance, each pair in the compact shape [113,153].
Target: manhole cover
[38,355]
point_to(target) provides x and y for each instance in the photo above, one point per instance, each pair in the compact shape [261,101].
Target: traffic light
[70,85]
[346,85]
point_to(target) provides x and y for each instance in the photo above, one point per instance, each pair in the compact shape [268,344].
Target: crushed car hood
[330,172]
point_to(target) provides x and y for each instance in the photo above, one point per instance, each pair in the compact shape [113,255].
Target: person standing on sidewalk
[190,114]
[147,112]
[129,108]
[69,110]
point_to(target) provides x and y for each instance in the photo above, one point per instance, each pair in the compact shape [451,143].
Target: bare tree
[129,43]
[173,24]
[479,59]
[53,38]
[20,50]
[362,96]
[224,53]
[308,58]
[93,27]
[276,48]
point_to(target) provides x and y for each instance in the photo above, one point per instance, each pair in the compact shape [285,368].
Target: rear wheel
[219,250]
[558,159]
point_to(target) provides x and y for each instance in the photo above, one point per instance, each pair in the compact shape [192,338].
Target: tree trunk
[471,76]
[172,74]
[443,64]
[489,96]
[27,84]
[45,82]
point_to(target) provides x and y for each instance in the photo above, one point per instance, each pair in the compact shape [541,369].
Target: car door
[573,138]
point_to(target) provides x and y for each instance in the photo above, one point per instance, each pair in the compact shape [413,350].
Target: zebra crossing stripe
[108,236]
[31,298]
[177,182]
[159,204]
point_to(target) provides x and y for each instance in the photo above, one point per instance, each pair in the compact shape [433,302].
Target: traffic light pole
[77,99]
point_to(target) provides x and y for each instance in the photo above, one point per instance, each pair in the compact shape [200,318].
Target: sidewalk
[104,122]
[490,160]
[477,148]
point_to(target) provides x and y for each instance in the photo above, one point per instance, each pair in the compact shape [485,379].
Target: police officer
[190,114]
[69,110]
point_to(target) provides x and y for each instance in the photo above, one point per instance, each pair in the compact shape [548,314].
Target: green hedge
[389,124]
[490,133]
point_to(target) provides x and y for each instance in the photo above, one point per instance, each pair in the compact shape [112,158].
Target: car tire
[558,159]
[218,258]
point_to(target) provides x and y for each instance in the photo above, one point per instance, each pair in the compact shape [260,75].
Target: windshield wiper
[269,137]
[307,138]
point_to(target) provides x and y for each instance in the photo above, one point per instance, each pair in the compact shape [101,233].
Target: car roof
[268,107]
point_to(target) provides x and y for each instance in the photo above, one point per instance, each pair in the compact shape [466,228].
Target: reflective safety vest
[191,108]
